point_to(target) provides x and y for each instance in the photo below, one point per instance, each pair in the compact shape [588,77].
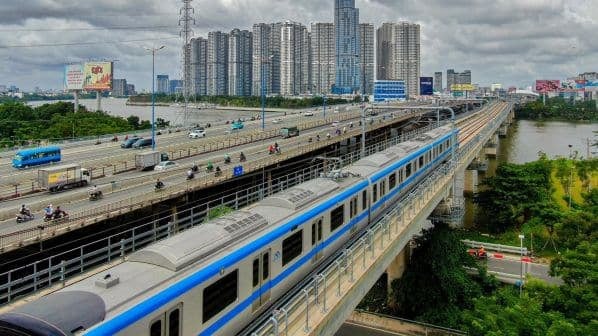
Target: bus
[287,132]
[36,156]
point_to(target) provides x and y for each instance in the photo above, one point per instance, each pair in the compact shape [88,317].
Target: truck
[287,132]
[63,177]
[148,160]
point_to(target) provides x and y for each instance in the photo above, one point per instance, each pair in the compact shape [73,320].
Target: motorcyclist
[190,174]
[194,168]
[48,211]
[226,158]
[58,213]
[159,184]
[242,157]
[317,137]
[218,171]
[271,149]
[277,148]
[25,211]
[481,251]
[93,191]
[210,166]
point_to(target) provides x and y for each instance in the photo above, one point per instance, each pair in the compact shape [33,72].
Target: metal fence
[57,269]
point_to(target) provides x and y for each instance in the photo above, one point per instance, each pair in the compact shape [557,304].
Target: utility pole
[186,33]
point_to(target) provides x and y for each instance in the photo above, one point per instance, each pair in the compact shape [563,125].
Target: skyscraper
[323,71]
[162,84]
[438,81]
[119,87]
[294,59]
[275,58]
[453,77]
[398,49]
[346,30]
[199,66]
[217,81]
[240,48]
[366,59]
[261,59]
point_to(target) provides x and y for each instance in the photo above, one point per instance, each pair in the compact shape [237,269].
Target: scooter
[190,176]
[22,218]
[96,195]
[55,216]
[158,188]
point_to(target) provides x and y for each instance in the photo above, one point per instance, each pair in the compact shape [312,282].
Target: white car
[165,165]
[276,120]
[308,114]
[334,124]
[198,133]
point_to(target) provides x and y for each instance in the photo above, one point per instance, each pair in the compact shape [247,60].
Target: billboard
[573,84]
[73,77]
[462,87]
[426,86]
[592,85]
[98,76]
[544,86]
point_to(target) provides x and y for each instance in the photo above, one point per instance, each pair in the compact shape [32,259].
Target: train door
[316,240]
[261,279]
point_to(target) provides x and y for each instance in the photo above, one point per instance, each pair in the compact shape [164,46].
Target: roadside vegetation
[531,198]
[250,101]
[21,124]
[558,109]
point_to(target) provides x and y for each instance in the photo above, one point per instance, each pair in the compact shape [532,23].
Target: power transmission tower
[185,21]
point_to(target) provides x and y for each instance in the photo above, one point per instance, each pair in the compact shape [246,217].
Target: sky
[513,42]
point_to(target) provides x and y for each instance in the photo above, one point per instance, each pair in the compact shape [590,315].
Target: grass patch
[560,193]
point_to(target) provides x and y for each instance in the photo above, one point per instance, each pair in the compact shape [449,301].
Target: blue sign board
[238,171]
[389,90]
[426,86]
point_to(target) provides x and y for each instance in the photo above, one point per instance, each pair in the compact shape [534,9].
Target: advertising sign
[98,76]
[544,86]
[592,85]
[73,77]
[462,87]
[426,86]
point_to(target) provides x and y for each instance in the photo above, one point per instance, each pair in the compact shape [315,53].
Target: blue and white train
[215,278]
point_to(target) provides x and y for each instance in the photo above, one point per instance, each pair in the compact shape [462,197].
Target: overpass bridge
[56,270]
[322,305]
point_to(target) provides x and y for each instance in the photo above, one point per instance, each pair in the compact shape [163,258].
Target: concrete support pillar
[491,148]
[470,182]
[175,219]
[395,271]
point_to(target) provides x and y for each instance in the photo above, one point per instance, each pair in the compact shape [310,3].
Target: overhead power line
[81,43]
[86,29]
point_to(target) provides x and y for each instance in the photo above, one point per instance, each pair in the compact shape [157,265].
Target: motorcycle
[227,159]
[242,158]
[158,187]
[22,218]
[190,176]
[55,216]
[96,195]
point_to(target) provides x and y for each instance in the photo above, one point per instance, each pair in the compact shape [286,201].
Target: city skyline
[510,43]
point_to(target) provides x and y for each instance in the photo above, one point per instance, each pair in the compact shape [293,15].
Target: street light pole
[153,51]
[521,274]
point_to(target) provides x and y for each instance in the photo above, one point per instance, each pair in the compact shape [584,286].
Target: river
[526,138]
[174,114]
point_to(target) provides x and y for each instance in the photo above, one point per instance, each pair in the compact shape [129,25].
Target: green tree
[435,286]
[133,121]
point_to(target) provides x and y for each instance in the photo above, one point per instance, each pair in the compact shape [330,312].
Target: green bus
[287,132]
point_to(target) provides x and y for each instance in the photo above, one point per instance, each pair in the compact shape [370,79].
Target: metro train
[215,278]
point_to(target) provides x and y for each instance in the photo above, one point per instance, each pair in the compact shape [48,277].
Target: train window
[401,176]
[292,247]
[353,207]
[266,263]
[156,328]
[383,188]
[441,148]
[316,230]
[430,156]
[337,218]
[408,170]
[174,323]
[256,271]
[320,230]
[448,144]
[374,193]
[421,162]
[313,234]
[219,295]
[392,181]
[364,200]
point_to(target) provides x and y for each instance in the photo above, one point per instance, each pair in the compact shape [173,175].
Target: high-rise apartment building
[176,86]
[294,59]
[162,83]
[119,87]
[323,70]
[366,59]
[199,66]
[240,46]
[131,90]
[261,59]
[275,50]
[346,28]
[399,55]
[217,68]
[438,81]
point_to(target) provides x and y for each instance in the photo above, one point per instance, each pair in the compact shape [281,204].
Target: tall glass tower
[346,31]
